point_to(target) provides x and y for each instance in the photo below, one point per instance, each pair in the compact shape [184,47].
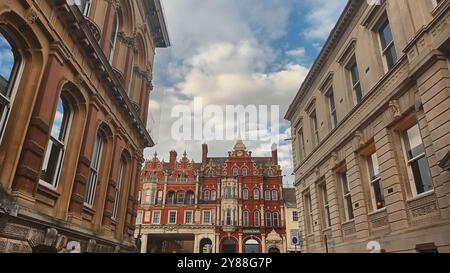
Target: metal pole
[326,243]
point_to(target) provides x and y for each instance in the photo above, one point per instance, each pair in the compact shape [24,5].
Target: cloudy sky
[235,52]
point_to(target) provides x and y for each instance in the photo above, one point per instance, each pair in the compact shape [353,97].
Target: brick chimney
[173,160]
[204,153]
[274,154]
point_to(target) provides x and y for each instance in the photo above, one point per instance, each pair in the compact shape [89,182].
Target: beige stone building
[75,82]
[371,131]
[291,217]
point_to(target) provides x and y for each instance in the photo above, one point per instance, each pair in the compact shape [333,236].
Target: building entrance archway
[206,245]
[251,246]
[229,246]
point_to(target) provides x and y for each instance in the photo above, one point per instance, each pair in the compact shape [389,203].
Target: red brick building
[223,204]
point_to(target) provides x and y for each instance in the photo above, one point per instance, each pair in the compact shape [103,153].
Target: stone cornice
[335,37]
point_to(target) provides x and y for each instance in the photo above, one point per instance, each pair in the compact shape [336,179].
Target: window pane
[349,208]
[52,163]
[421,174]
[413,141]
[355,73]
[386,35]
[7,64]
[374,168]
[378,192]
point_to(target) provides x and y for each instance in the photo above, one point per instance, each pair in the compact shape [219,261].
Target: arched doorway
[274,250]
[206,246]
[229,246]
[251,246]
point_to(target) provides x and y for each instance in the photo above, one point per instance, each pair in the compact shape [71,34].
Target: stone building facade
[371,131]
[291,218]
[76,77]
[228,204]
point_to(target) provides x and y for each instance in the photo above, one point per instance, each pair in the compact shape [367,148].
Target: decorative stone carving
[32,15]
[50,237]
[91,246]
[395,109]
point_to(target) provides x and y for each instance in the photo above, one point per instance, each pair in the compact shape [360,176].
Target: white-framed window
[314,128]
[172,217]
[235,171]
[244,171]
[387,45]
[153,177]
[113,39]
[356,83]
[416,161]
[206,195]
[245,218]
[206,217]
[245,194]
[94,171]
[256,219]
[188,217]
[276,219]
[274,195]
[309,225]
[325,206]
[10,71]
[156,217]
[213,195]
[332,107]
[376,185]
[228,217]
[147,196]
[180,197]
[267,195]
[255,194]
[56,147]
[268,219]
[147,215]
[347,197]
[229,192]
[117,188]
[183,177]
[295,216]
[85,6]
[190,199]
[139,217]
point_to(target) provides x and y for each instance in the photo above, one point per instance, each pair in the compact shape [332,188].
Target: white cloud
[298,53]
[322,16]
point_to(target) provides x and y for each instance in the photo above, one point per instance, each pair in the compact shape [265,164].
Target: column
[144,242]
[336,231]
[217,244]
[107,29]
[240,243]
[196,244]
[28,172]
[356,188]
[263,243]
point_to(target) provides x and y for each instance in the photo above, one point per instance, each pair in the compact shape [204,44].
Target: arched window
[170,198]
[10,64]
[256,221]
[159,197]
[245,218]
[206,195]
[113,39]
[270,173]
[268,219]
[213,195]
[267,195]
[244,171]
[245,194]
[275,195]
[120,178]
[256,194]
[190,198]
[85,6]
[276,219]
[235,171]
[94,170]
[180,197]
[56,146]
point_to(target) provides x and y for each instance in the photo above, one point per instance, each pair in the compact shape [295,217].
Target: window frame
[267,195]
[277,218]
[205,212]
[268,219]
[347,197]
[117,187]
[325,202]
[154,213]
[245,194]
[94,171]
[373,180]
[169,217]
[384,50]
[206,195]
[331,101]
[113,39]
[309,223]
[245,218]
[185,217]
[256,218]
[256,194]
[314,127]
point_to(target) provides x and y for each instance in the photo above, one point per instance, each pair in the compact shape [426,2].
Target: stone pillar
[240,243]
[335,215]
[217,244]
[262,216]
[130,215]
[240,215]
[166,177]
[356,189]
[111,190]
[263,243]
[196,243]
[28,172]
[144,243]
[389,172]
